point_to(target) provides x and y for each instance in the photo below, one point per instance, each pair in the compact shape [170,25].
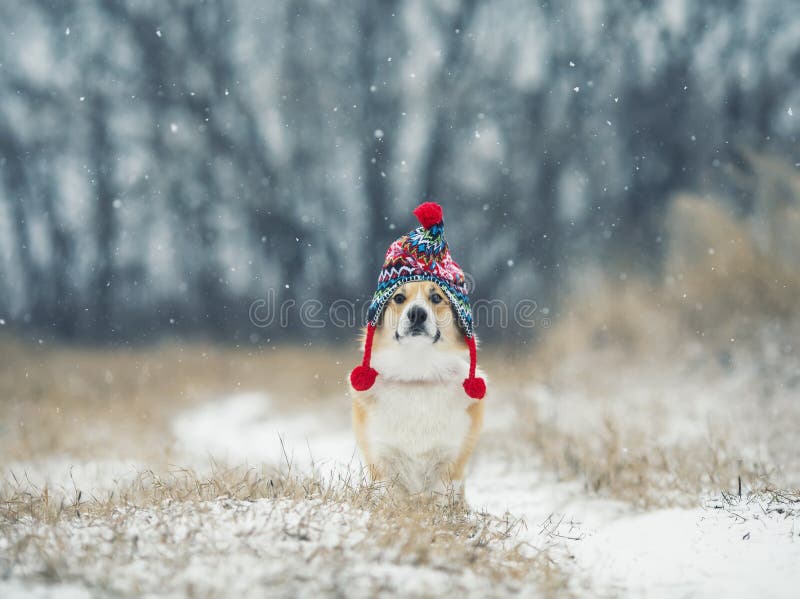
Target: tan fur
[475,412]
[360,412]
[452,340]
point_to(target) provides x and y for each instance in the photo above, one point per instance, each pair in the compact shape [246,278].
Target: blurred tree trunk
[101,154]
[17,189]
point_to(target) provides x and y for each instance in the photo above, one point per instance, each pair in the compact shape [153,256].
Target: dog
[415,427]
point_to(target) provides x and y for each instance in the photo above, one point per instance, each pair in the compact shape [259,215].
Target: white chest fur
[418,418]
[416,432]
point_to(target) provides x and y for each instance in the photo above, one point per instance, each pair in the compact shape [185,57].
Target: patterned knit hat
[421,255]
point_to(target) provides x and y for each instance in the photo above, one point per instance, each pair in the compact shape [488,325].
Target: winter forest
[196,199]
[164,164]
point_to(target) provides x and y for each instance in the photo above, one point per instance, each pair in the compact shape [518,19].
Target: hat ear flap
[363,376]
[474,386]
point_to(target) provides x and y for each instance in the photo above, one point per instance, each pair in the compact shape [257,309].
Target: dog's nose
[417,315]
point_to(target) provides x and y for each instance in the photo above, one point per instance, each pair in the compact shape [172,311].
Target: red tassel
[429,214]
[474,386]
[363,376]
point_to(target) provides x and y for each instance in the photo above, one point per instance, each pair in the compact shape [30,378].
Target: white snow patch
[66,476]
[13,589]
[724,549]
[248,428]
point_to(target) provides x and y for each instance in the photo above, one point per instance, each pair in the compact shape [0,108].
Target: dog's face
[419,316]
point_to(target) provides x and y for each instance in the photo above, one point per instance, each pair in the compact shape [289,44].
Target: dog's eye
[399,298]
[436,298]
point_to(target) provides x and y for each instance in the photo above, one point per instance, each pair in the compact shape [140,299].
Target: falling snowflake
[378,133]
[173,127]
[576,89]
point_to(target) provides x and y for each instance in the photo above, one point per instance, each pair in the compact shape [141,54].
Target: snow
[245,428]
[726,546]
[737,549]
[65,475]
[38,590]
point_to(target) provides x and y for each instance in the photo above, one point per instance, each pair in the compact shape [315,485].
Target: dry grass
[86,402]
[631,468]
[450,539]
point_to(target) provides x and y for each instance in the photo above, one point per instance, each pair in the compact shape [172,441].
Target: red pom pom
[363,377]
[475,387]
[429,214]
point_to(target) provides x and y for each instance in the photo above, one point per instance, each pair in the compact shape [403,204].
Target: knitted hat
[421,255]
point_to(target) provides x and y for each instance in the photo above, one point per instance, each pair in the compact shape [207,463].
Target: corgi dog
[415,426]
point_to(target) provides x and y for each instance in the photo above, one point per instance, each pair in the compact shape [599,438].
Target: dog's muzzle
[417,317]
[415,322]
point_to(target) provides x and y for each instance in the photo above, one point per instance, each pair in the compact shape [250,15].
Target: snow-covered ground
[725,546]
